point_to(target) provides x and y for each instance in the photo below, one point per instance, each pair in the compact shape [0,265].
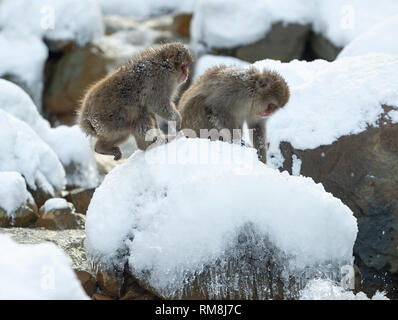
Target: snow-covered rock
[22,150]
[379,39]
[230,23]
[329,100]
[37,272]
[340,124]
[208,61]
[24,24]
[146,8]
[69,143]
[16,65]
[17,207]
[321,289]
[180,213]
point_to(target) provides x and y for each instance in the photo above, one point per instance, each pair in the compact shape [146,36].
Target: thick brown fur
[226,97]
[125,102]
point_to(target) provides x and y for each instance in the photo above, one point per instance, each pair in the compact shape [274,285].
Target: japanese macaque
[223,98]
[125,102]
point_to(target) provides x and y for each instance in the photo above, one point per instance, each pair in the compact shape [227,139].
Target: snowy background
[194,218]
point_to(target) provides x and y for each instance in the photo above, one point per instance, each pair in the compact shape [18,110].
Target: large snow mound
[36,272]
[330,99]
[69,143]
[323,289]
[13,192]
[147,8]
[75,20]
[178,207]
[230,23]
[378,39]
[22,150]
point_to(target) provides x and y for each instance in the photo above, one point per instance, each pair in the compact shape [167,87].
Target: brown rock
[80,198]
[60,219]
[24,216]
[182,24]
[362,171]
[40,195]
[87,280]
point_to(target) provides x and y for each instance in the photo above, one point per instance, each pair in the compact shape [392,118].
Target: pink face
[184,74]
[271,108]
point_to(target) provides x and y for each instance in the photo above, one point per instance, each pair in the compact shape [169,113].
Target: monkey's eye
[264,83]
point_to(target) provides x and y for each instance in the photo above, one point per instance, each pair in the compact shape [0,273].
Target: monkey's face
[180,58]
[271,94]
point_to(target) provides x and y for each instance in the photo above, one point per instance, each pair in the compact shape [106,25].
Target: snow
[296,165]
[22,150]
[208,61]
[55,204]
[26,69]
[147,8]
[36,272]
[379,39]
[231,23]
[69,143]
[13,192]
[330,99]
[180,206]
[323,289]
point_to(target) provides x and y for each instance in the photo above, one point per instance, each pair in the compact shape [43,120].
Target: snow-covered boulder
[138,8]
[80,68]
[340,21]
[58,214]
[53,20]
[321,289]
[340,128]
[263,30]
[36,272]
[379,39]
[202,219]
[17,207]
[69,143]
[23,151]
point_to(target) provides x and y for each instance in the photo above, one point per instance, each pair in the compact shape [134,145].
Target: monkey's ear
[264,83]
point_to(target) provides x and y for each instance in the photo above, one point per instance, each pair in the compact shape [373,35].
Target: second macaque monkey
[125,102]
[223,98]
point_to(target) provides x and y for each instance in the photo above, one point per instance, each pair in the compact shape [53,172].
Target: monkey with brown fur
[226,97]
[125,102]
